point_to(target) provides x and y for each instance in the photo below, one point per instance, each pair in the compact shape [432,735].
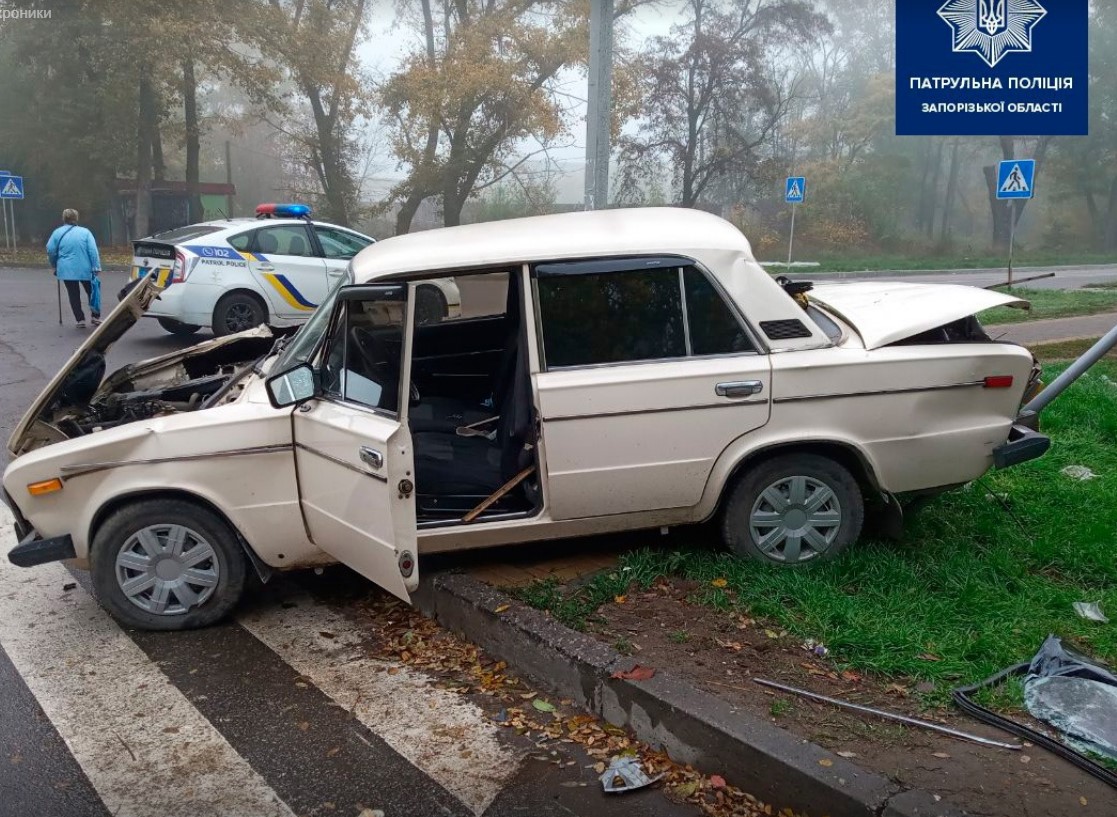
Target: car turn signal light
[45,487]
[1000,381]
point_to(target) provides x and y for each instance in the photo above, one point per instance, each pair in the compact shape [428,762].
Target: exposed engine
[196,378]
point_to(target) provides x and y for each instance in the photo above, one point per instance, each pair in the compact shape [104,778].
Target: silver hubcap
[167,569]
[795,519]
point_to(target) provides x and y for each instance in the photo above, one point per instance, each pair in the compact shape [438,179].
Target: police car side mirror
[292,387]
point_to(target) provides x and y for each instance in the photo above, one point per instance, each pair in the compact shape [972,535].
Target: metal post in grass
[1073,372]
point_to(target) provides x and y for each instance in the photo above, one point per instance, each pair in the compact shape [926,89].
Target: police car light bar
[282,211]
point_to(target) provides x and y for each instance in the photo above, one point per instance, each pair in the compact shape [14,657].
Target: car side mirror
[292,387]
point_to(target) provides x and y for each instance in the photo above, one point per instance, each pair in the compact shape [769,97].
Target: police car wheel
[430,305]
[178,327]
[237,312]
[167,564]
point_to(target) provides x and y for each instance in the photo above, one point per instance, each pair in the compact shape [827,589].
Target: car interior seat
[297,246]
[266,242]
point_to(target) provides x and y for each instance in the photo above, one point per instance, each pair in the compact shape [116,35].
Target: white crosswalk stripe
[145,748]
[444,735]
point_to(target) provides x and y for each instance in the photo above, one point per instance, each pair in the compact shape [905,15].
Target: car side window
[714,329]
[241,241]
[340,243]
[611,317]
[364,361]
[284,239]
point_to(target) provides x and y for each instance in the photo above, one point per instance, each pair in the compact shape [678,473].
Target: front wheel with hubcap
[167,565]
[794,509]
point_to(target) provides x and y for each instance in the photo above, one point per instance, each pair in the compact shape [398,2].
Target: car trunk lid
[888,312]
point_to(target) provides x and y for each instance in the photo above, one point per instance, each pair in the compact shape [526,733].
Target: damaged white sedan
[610,371]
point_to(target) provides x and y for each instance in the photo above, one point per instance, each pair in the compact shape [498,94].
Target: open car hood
[889,312]
[80,386]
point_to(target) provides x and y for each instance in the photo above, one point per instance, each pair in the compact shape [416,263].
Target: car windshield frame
[305,343]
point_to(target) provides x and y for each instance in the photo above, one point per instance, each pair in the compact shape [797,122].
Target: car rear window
[622,316]
[180,234]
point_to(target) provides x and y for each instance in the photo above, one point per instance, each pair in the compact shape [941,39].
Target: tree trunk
[193,140]
[1111,217]
[951,189]
[143,156]
[417,195]
[933,191]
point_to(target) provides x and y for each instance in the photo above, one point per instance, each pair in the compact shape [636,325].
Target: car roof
[227,226]
[597,233]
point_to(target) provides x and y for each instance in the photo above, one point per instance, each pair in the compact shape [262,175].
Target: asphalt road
[276,712]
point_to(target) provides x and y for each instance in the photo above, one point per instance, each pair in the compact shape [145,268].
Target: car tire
[178,327]
[136,571]
[237,312]
[793,510]
[430,305]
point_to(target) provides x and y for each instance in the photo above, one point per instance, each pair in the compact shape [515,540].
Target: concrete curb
[692,725]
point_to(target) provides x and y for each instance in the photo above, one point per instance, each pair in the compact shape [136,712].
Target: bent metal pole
[1073,372]
[880,713]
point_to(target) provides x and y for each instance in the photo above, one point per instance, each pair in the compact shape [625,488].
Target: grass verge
[1066,350]
[984,575]
[1051,303]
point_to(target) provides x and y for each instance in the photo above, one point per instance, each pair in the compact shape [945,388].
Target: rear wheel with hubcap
[238,312]
[167,565]
[794,509]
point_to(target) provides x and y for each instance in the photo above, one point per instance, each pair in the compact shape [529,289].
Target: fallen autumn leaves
[405,636]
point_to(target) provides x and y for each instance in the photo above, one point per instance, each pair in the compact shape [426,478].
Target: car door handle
[739,388]
[371,457]
[265,267]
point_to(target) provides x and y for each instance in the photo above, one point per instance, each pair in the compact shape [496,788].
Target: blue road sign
[11,187]
[1016,179]
[796,190]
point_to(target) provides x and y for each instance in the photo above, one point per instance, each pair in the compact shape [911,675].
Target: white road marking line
[145,748]
[439,732]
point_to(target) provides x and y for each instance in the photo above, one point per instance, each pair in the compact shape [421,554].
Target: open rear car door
[353,448]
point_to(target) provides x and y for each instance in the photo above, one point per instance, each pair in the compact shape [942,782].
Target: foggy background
[396,116]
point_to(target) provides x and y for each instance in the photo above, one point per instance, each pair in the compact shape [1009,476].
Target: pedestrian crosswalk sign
[11,187]
[1016,179]
[796,190]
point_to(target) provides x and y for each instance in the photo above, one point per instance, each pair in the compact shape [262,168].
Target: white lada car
[613,370]
[275,269]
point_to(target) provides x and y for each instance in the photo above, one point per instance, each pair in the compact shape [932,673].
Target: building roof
[599,233]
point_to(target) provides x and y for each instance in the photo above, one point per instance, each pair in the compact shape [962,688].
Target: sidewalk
[1087,326]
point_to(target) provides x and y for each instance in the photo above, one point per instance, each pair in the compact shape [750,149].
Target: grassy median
[983,576]
[1052,303]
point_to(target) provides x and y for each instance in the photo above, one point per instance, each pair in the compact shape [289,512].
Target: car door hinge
[405,488]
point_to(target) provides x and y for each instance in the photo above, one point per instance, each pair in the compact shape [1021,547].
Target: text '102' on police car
[235,274]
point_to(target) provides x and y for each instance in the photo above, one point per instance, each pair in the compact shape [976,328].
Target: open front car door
[353,449]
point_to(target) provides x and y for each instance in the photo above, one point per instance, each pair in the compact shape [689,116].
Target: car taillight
[999,381]
[178,271]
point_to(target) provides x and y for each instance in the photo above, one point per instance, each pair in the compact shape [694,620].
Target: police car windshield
[186,233]
[303,345]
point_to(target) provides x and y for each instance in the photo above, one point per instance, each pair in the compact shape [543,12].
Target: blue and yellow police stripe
[162,278]
[288,291]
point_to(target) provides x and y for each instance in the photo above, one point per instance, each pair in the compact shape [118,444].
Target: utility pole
[228,180]
[599,104]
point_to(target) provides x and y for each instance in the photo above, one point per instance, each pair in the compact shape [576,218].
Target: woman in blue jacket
[73,255]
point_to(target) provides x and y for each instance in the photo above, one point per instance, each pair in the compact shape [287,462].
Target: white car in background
[235,274]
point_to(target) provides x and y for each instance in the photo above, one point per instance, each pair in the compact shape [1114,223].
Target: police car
[235,274]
